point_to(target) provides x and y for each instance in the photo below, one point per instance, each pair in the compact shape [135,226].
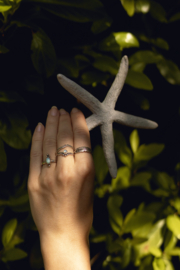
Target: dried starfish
[104,113]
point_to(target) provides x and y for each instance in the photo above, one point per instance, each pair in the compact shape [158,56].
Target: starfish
[104,113]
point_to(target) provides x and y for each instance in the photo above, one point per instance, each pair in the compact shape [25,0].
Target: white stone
[48,161]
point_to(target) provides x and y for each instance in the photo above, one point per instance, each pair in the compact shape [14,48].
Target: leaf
[134,140]
[158,12]
[170,241]
[82,61]
[43,56]
[139,67]
[93,77]
[168,265]
[128,5]
[155,251]
[138,240]
[68,67]
[146,153]
[173,224]
[145,56]
[8,231]
[14,254]
[142,179]
[158,264]
[138,80]
[118,41]
[123,151]
[4,7]
[122,179]
[106,63]
[101,25]
[161,43]
[103,190]
[13,129]
[3,49]
[129,215]
[175,17]
[169,70]
[142,6]
[176,203]
[101,167]
[165,181]
[10,97]
[115,215]
[174,252]
[99,238]
[3,157]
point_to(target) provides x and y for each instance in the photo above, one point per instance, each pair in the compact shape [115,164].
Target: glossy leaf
[118,41]
[101,168]
[169,70]
[10,97]
[14,254]
[8,231]
[106,63]
[128,5]
[123,151]
[138,80]
[3,157]
[174,252]
[122,179]
[142,6]
[158,12]
[134,140]
[148,57]
[158,264]
[4,7]
[43,53]
[173,224]
[115,215]
[155,251]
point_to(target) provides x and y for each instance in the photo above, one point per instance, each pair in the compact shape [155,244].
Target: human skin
[61,196]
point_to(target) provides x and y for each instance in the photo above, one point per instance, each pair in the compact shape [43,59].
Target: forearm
[65,254]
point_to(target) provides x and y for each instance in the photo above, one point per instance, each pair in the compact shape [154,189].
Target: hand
[61,196]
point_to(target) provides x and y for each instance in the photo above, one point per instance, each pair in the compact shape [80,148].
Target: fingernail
[62,111]
[53,110]
[39,127]
[74,110]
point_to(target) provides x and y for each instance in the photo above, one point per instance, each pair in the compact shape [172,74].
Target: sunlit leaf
[14,254]
[3,157]
[174,252]
[155,251]
[168,265]
[118,41]
[8,231]
[142,6]
[170,241]
[138,240]
[101,167]
[138,80]
[128,5]
[43,53]
[169,70]
[99,238]
[115,215]
[103,190]
[123,151]
[158,12]
[158,264]
[175,17]
[134,140]
[173,224]
[3,49]
[4,7]
[10,97]
[148,57]
[122,179]
[106,63]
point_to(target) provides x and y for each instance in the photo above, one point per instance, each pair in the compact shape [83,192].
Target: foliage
[137,215]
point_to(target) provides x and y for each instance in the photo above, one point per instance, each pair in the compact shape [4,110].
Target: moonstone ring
[48,161]
[65,152]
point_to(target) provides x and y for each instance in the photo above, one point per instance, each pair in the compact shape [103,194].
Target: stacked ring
[65,152]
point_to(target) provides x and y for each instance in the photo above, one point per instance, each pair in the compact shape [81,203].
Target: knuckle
[86,169]
[47,181]
[50,142]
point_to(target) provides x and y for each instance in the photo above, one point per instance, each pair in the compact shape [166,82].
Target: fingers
[65,136]
[50,136]
[36,152]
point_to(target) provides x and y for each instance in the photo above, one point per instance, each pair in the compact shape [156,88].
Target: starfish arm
[108,147]
[115,90]
[133,121]
[80,93]
[93,121]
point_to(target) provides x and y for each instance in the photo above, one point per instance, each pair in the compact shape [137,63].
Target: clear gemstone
[65,151]
[48,161]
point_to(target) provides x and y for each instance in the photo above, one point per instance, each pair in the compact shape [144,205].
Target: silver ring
[83,149]
[48,161]
[65,152]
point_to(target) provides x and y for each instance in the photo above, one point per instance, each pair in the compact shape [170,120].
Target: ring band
[83,149]
[48,161]
[65,145]
[65,152]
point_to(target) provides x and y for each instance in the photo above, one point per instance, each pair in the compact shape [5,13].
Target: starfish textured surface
[104,113]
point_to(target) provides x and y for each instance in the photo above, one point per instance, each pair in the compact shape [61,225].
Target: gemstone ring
[48,161]
[65,152]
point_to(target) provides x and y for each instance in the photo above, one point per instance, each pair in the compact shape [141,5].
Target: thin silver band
[64,146]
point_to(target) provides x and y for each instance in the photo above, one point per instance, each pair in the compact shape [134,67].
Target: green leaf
[118,41]
[93,77]
[138,80]
[8,231]
[10,97]
[123,151]
[13,129]
[146,153]
[142,179]
[129,215]
[106,63]
[3,49]
[142,6]
[134,140]
[158,264]
[173,224]
[3,157]
[168,265]
[145,56]
[14,254]
[139,67]
[175,17]
[122,179]
[169,70]
[158,12]
[101,25]
[176,203]
[155,251]
[174,252]
[99,238]
[103,190]
[68,67]
[170,241]
[43,53]
[115,215]
[129,7]
[101,167]
[165,181]
[161,43]
[138,240]
[4,7]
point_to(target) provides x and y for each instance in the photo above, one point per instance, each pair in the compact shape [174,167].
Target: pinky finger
[36,153]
